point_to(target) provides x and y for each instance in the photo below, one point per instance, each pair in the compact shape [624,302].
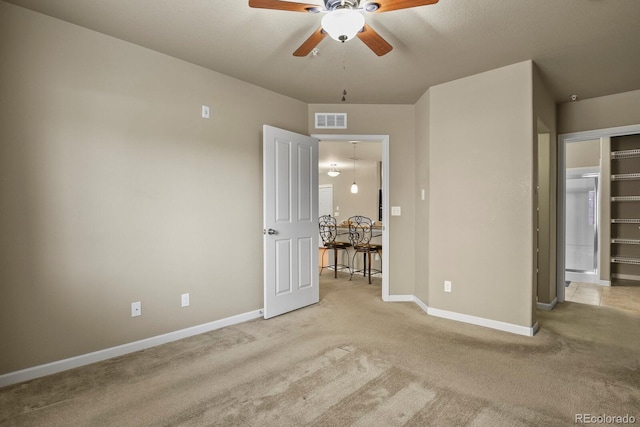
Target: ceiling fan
[343,20]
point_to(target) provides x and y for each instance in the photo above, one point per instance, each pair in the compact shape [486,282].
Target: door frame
[568,138]
[385,195]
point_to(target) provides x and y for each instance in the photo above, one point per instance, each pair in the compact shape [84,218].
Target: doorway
[601,204]
[582,207]
[381,198]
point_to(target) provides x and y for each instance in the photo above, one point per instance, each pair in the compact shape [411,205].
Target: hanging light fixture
[343,24]
[333,172]
[354,186]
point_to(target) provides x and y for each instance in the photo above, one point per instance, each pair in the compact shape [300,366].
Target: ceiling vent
[331,120]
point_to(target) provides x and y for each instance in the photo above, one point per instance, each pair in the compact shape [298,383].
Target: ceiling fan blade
[310,43]
[388,5]
[374,40]
[284,5]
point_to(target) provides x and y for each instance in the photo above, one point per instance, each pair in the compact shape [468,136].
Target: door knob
[271,232]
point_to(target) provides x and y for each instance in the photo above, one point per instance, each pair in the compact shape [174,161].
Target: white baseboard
[547,306]
[108,353]
[400,298]
[479,321]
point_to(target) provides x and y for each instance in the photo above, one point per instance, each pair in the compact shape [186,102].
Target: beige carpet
[354,360]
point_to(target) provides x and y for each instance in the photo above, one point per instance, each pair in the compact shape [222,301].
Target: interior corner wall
[422,205]
[397,121]
[481,195]
[599,113]
[546,144]
[115,190]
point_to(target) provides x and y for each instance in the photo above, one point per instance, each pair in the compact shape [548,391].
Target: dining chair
[361,232]
[329,233]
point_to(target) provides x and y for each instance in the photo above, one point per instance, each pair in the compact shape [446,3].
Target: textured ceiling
[587,47]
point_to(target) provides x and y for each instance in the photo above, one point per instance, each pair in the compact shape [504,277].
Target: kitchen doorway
[381,198]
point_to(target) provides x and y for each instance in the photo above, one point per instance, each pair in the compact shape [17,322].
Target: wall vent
[331,120]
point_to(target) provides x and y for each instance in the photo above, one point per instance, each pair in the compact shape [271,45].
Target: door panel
[290,221]
[305,254]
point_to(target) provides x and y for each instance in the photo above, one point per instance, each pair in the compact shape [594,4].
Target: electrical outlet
[136,309]
[185,300]
[447,286]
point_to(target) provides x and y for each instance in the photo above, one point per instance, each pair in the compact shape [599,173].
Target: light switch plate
[396,211]
[205,112]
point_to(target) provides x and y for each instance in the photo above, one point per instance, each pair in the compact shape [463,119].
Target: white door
[325,200]
[290,176]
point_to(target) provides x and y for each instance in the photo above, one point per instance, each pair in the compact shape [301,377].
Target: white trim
[547,306]
[422,305]
[478,321]
[385,195]
[600,133]
[400,298]
[108,353]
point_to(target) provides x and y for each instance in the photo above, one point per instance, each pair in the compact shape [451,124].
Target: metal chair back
[328,229]
[360,231]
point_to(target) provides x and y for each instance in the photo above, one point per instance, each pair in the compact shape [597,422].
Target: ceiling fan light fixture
[343,24]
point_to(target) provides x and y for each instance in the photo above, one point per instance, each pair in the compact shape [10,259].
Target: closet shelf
[622,241]
[625,177]
[625,199]
[625,154]
[625,260]
[625,220]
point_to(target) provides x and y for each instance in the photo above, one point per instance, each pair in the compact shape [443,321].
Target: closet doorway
[595,208]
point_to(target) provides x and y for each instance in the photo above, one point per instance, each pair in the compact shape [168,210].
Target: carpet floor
[353,360]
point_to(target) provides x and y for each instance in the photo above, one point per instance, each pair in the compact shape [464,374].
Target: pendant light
[354,186]
[333,172]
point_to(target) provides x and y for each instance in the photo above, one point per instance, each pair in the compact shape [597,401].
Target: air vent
[331,120]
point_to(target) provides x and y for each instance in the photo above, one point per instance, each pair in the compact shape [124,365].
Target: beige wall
[481,195]
[545,230]
[546,280]
[621,109]
[582,154]
[114,190]
[397,121]
[423,120]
